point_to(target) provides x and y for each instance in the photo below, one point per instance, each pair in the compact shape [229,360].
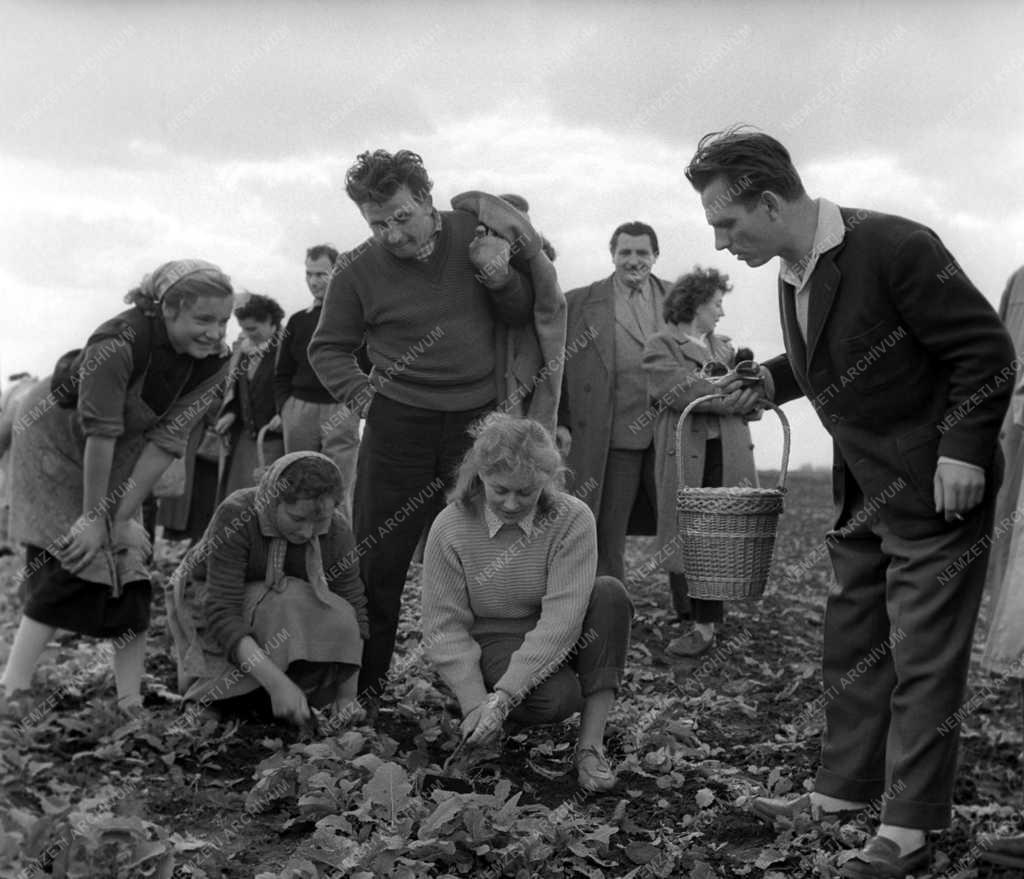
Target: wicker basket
[727,534]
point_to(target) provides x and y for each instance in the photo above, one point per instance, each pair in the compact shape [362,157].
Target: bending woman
[89,447]
[513,618]
[281,584]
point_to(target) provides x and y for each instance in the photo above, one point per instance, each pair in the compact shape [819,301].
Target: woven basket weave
[727,535]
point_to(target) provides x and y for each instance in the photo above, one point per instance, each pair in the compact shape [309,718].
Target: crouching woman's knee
[551,701]
[610,612]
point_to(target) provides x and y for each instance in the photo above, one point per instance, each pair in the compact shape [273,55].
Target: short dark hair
[260,308]
[319,250]
[377,176]
[751,161]
[691,291]
[311,478]
[635,228]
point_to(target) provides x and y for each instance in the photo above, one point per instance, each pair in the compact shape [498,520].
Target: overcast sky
[134,133]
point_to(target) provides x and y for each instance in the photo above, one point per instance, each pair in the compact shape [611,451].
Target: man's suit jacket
[905,361]
[588,392]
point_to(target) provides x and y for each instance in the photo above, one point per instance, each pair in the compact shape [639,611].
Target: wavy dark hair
[691,291]
[377,176]
[636,229]
[260,308]
[751,161]
[509,444]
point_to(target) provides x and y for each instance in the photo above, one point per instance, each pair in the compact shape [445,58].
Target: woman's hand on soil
[484,722]
[289,703]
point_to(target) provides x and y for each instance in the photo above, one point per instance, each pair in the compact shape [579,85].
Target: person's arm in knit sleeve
[337,339]
[571,572]
[343,573]
[227,542]
[513,301]
[447,618]
[284,367]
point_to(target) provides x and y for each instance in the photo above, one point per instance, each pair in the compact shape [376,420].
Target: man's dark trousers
[407,459]
[625,473]
[898,633]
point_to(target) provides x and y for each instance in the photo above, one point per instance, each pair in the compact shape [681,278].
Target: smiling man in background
[900,355]
[611,444]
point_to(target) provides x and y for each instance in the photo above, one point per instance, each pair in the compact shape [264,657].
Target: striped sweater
[513,583]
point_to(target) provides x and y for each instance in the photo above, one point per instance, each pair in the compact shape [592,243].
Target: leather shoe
[880,857]
[593,772]
[693,643]
[1006,851]
[771,808]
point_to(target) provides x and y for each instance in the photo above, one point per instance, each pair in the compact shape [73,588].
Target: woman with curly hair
[514,619]
[716,439]
[89,446]
[249,399]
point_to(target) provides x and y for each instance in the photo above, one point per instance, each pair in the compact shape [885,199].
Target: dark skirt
[59,598]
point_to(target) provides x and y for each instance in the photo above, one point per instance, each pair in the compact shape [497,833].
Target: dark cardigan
[236,553]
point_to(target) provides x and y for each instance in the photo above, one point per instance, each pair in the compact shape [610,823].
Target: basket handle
[767,403]
[261,455]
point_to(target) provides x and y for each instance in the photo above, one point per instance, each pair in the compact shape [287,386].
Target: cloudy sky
[133,133]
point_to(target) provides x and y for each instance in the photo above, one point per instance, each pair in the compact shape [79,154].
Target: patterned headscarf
[154,286]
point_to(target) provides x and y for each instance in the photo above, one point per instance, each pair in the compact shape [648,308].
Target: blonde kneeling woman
[514,620]
[277,620]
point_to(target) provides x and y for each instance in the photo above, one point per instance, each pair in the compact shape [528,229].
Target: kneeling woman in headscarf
[280,619]
[514,618]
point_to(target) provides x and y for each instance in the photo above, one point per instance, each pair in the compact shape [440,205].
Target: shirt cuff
[944,460]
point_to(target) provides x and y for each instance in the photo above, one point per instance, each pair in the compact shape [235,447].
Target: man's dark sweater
[429,326]
[293,376]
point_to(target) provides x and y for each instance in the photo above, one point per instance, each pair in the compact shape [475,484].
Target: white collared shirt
[494,524]
[829,233]
[699,340]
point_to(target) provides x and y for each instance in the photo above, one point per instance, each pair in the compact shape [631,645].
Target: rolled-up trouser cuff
[917,814]
[861,790]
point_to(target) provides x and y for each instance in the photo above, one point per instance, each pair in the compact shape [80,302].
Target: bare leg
[346,708]
[594,718]
[29,643]
[129,659]
[592,769]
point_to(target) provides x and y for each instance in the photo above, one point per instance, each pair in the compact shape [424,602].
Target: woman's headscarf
[271,486]
[153,287]
[268,496]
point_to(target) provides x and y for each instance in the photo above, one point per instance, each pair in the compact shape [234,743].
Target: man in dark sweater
[310,417]
[429,291]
